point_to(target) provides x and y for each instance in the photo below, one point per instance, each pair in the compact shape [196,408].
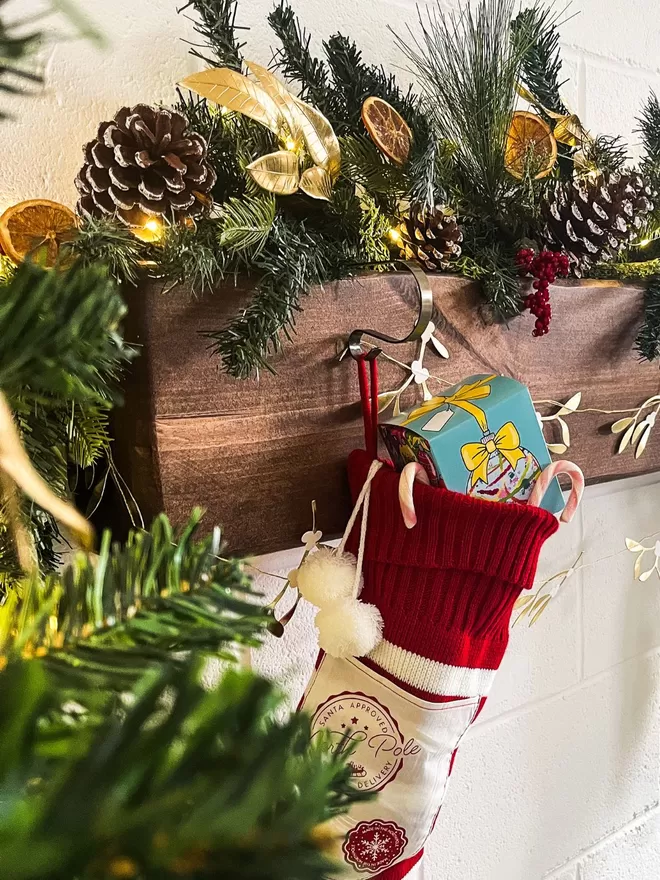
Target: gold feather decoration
[304,132]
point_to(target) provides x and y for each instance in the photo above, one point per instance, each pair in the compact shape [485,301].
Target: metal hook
[354,344]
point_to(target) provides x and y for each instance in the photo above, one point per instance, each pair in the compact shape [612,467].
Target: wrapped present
[481,438]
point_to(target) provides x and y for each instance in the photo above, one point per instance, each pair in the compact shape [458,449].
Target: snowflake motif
[374,846]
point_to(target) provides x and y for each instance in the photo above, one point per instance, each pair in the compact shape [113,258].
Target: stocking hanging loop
[354,344]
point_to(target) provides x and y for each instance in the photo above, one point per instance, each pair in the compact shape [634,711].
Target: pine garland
[293,259]
[469,65]
[216,25]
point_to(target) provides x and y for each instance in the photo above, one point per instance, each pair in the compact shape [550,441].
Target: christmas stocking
[445,592]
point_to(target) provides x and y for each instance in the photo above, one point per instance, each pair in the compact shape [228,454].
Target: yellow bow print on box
[481,437]
[477,455]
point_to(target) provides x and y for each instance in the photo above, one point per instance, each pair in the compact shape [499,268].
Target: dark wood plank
[256,453]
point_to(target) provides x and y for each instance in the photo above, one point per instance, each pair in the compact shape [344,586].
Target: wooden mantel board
[256,453]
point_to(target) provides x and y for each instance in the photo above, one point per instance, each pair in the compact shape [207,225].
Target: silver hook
[354,344]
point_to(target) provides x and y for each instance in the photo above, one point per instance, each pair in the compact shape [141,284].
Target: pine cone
[431,236]
[145,163]
[592,220]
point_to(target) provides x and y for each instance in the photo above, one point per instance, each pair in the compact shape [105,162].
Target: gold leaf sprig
[641,550]
[304,133]
[568,128]
[636,430]
[533,605]
[569,408]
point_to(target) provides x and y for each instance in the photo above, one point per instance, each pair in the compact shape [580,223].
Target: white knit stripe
[431,676]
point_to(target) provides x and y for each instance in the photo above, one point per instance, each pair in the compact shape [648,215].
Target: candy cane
[548,475]
[411,472]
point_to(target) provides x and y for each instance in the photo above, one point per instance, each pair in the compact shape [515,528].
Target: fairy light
[645,242]
[394,235]
[291,145]
[150,231]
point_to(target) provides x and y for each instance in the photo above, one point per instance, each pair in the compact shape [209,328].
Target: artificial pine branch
[117,761]
[216,25]
[103,242]
[246,224]
[541,59]
[296,62]
[605,153]
[294,258]
[649,129]
[493,267]
[364,164]
[60,333]
[648,338]
[60,359]
[468,66]
[162,591]
[191,256]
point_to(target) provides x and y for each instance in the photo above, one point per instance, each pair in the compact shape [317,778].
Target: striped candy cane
[548,475]
[411,472]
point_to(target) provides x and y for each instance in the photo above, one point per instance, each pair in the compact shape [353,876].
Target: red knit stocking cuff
[453,531]
[445,588]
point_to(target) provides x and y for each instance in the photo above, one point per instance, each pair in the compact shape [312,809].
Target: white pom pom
[349,628]
[326,576]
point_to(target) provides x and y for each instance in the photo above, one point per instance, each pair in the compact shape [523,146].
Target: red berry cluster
[545,267]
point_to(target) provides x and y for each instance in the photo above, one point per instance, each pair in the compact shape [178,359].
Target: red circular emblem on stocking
[375,845]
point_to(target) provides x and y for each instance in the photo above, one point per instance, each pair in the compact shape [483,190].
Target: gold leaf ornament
[316,182]
[321,140]
[278,172]
[570,131]
[568,127]
[282,97]
[269,102]
[238,93]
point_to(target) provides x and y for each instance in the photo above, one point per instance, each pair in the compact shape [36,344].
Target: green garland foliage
[649,128]
[216,25]
[468,66]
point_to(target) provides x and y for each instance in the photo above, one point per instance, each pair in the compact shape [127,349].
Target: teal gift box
[481,438]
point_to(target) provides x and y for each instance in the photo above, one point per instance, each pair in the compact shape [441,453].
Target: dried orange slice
[387,129]
[530,139]
[36,229]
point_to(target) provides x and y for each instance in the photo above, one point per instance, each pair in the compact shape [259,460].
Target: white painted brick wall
[559,780]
